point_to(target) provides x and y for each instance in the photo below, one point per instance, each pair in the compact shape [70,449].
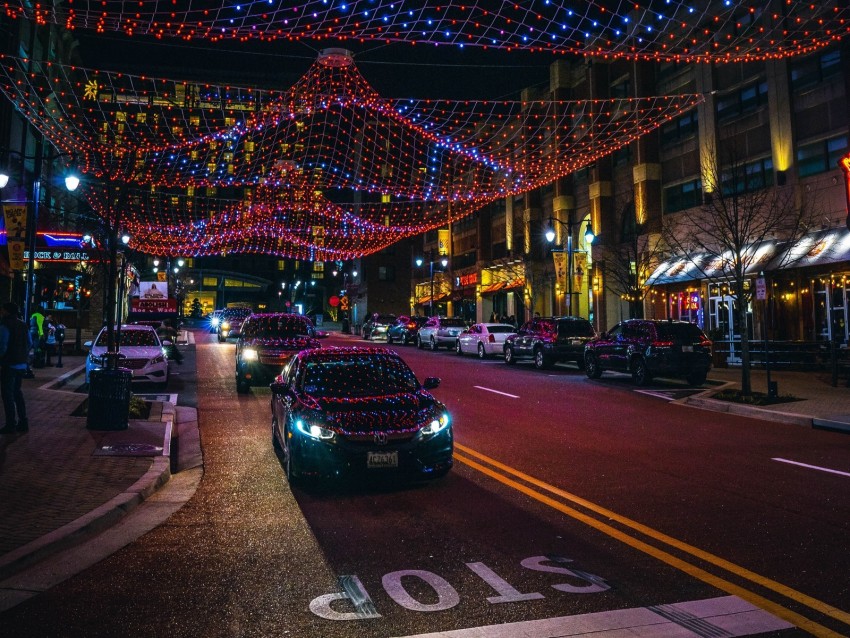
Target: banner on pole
[15,218]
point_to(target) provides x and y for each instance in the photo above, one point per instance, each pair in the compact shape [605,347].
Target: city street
[574,506]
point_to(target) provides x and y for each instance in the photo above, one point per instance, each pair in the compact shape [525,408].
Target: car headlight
[437,424]
[94,359]
[215,321]
[249,354]
[225,325]
[158,359]
[314,431]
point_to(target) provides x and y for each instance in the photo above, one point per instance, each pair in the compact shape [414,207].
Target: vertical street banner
[443,239]
[15,218]
[560,259]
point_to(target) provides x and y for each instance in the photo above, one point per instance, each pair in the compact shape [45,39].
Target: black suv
[404,329]
[547,340]
[651,347]
[266,343]
[376,326]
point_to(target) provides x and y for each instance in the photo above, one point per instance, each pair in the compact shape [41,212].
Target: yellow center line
[692,570]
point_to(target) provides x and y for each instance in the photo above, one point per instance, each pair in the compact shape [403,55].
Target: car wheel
[591,366]
[458,349]
[275,440]
[433,344]
[510,358]
[640,373]
[389,339]
[482,354]
[697,377]
[541,360]
[242,387]
[221,339]
[418,342]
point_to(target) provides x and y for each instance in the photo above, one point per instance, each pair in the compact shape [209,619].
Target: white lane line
[724,616]
[812,467]
[504,394]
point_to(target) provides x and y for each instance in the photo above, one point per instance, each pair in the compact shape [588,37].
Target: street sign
[761,289]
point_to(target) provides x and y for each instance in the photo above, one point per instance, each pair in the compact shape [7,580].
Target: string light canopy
[672,30]
[327,168]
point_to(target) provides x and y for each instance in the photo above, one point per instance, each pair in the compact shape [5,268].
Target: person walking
[15,344]
[37,338]
[49,330]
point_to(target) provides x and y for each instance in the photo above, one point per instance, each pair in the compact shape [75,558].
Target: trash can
[346,327]
[109,399]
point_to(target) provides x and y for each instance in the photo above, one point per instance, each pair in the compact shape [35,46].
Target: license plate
[376,460]
[687,348]
[575,342]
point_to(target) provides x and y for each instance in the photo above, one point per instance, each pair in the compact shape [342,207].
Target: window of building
[823,155]
[386,273]
[680,129]
[682,196]
[748,177]
[742,101]
[815,69]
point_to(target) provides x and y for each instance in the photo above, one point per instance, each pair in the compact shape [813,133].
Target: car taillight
[411,326]
[662,344]
[705,342]
[491,338]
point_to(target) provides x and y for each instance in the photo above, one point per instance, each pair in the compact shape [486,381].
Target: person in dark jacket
[15,344]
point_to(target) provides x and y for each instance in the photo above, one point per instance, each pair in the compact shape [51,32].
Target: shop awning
[816,249]
[701,266]
[424,301]
[515,283]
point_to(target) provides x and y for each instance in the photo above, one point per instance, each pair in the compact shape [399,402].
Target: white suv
[440,331]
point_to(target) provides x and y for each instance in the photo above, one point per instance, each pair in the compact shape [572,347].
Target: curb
[99,518]
[716,405]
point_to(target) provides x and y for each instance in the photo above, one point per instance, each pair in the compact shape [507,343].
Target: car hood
[390,413]
[281,343]
[131,352]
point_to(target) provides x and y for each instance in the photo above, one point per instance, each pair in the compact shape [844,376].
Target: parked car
[267,342]
[484,339]
[230,323]
[339,411]
[547,340]
[404,329]
[440,331]
[375,327]
[142,352]
[651,347]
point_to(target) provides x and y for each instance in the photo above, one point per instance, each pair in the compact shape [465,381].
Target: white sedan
[142,351]
[484,339]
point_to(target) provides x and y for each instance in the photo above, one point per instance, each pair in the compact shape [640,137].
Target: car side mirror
[166,342]
[87,344]
[431,383]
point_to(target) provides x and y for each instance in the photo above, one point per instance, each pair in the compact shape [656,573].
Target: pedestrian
[49,329]
[15,343]
[60,342]
[37,338]
[494,318]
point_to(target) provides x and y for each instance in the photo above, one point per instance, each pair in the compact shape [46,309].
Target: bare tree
[730,236]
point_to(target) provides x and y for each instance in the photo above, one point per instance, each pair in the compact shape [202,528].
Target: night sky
[395,70]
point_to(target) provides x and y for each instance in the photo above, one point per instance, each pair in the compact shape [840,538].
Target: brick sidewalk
[50,475]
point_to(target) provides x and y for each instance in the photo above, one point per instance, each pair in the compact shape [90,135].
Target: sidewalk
[60,482]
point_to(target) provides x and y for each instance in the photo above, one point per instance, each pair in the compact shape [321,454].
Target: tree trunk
[746,381]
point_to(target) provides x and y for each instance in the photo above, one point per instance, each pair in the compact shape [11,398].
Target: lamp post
[71,183]
[443,261]
[550,237]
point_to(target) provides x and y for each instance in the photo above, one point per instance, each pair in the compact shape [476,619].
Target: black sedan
[358,411]
[266,343]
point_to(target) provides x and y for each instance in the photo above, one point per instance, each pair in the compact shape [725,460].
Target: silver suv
[440,331]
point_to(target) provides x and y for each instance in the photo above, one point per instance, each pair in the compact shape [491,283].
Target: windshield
[276,327]
[683,332]
[235,313]
[500,329]
[137,338]
[453,323]
[358,376]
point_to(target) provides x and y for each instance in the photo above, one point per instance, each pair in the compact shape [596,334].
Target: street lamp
[71,183]
[443,261]
[588,238]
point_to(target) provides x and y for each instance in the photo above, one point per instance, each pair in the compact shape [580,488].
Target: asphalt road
[575,506]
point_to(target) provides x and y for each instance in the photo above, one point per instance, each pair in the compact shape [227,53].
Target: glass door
[723,317]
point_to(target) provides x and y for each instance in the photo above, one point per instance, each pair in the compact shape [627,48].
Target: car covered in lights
[358,412]
[140,350]
[266,343]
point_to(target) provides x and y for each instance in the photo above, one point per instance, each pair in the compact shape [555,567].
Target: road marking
[504,394]
[680,564]
[713,617]
[812,467]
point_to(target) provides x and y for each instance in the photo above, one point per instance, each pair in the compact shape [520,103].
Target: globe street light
[588,238]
